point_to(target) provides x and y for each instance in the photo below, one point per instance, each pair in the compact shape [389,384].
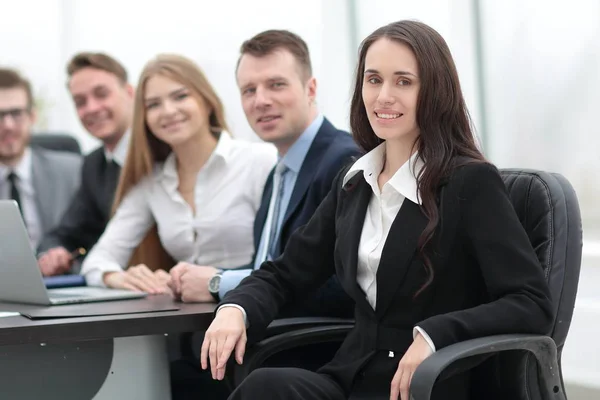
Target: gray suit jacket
[56,178]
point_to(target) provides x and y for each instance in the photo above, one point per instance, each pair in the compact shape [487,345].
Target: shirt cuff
[95,278]
[417,330]
[231,279]
[239,308]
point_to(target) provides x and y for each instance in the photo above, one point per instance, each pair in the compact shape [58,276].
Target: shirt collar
[223,151]
[22,169]
[296,154]
[119,154]
[224,147]
[404,181]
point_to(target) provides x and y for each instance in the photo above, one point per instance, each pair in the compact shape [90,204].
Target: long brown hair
[145,149]
[446,138]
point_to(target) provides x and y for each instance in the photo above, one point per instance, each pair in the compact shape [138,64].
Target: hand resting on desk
[189,282]
[139,278]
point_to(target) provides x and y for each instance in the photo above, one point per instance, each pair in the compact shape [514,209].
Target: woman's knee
[274,382]
[266,377]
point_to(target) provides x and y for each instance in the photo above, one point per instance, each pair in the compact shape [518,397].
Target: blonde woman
[185,176]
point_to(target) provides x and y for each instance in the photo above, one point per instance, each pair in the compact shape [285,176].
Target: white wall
[542,63]
[30,40]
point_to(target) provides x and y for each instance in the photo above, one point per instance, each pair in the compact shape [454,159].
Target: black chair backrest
[56,141]
[548,209]
[547,206]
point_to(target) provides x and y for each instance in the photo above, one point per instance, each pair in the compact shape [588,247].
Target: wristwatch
[214,284]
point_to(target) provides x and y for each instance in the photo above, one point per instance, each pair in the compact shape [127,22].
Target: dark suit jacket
[487,277]
[89,211]
[329,152]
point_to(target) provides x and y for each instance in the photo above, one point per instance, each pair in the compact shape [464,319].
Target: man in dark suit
[278,93]
[41,181]
[104,102]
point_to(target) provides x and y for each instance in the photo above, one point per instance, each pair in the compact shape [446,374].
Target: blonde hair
[145,149]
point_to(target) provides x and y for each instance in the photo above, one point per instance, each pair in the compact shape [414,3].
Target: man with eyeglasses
[42,182]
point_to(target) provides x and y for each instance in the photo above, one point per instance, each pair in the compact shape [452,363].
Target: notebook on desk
[21,280]
[63,281]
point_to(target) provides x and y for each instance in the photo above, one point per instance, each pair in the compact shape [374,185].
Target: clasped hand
[139,278]
[186,282]
[189,282]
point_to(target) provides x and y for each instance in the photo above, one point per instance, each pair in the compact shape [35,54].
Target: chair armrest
[284,325]
[261,351]
[542,347]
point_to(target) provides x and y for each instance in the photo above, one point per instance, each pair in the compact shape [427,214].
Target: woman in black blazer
[420,232]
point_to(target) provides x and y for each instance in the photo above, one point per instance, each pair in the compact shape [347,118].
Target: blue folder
[62,281]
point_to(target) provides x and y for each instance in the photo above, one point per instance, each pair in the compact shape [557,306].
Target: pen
[78,252]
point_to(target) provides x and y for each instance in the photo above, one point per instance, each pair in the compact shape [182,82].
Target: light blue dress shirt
[293,159]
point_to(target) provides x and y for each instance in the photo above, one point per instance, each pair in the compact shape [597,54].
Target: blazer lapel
[263,210]
[350,221]
[303,181]
[307,171]
[42,178]
[111,179]
[398,251]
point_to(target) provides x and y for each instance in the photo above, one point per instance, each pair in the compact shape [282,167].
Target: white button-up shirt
[119,154]
[381,212]
[227,196]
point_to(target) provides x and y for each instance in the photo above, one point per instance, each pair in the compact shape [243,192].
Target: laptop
[21,280]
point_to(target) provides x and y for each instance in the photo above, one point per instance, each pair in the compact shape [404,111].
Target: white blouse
[227,194]
[381,212]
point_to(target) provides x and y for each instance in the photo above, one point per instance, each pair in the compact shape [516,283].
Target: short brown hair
[268,42]
[99,61]
[11,79]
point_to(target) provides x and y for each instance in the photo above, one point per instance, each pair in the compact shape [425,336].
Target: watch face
[214,283]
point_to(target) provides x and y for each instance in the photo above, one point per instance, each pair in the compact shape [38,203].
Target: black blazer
[90,210]
[487,277]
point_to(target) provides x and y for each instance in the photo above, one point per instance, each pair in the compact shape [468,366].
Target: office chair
[516,367]
[56,141]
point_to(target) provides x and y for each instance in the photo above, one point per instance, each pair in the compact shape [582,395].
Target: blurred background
[530,71]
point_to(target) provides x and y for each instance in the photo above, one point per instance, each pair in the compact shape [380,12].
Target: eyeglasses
[17,114]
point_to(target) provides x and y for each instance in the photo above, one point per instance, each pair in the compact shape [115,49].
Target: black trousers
[287,384]
[190,382]
[373,383]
